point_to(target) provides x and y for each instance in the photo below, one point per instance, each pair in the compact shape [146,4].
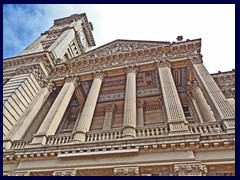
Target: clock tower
[67,38]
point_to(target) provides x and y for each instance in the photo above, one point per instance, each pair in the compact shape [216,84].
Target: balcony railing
[147,131]
[207,128]
[19,144]
[59,139]
[101,136]
[152,131]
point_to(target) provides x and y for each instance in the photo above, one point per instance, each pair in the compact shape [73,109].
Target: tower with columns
[127,108]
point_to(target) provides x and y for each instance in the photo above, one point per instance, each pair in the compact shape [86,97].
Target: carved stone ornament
[190,170]
[36,71]
[67,172]
[50,85]
[126,171]
[120,46]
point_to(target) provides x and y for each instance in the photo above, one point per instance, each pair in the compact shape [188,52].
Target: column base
[129,132]
[38,140]
[79,137]
[7,144]
[178,128]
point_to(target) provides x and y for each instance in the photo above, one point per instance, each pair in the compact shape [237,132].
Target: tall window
[186,111]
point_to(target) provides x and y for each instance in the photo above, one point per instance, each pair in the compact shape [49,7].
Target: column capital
[110,107]
[163,63]
[72,78]
[98,74]
[126,171]
[195,59]
[50,85]
[67,172]
[131,69]
[195,169]
[140,103]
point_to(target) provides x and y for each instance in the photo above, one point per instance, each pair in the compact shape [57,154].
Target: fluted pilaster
[109,110]
[56,112]
[221,107]
[84,123]
[140,113]
[129,121]
[173,107]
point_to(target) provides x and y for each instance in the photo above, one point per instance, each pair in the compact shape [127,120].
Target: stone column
[56,112]
[219,104]
[85,120]
[109,110]
[175,115]
[65,172]
[25,122]
[191,98]
[194,169]
[130,115]
[140,113]
[204,108]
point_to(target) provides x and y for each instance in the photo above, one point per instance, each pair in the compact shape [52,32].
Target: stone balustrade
[203,128]
[101,136]
[19,144]
[213,128]
[152,131]
[59,139]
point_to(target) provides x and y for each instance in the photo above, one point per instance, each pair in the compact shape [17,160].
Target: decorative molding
[126,171]
[190,169]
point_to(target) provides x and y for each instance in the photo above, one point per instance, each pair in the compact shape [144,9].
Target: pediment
[120,46]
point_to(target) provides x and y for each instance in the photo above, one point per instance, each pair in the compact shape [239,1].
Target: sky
[213,23]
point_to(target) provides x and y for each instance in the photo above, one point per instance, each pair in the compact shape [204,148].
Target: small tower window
[186,111]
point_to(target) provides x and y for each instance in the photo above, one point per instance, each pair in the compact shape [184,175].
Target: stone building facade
[127,108]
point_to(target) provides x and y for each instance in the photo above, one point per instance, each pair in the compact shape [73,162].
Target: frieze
[81,68]
[24,60]
[120,46]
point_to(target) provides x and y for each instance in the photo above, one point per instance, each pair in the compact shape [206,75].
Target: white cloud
[159,22]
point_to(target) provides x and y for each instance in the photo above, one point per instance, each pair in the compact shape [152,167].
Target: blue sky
[215,24]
